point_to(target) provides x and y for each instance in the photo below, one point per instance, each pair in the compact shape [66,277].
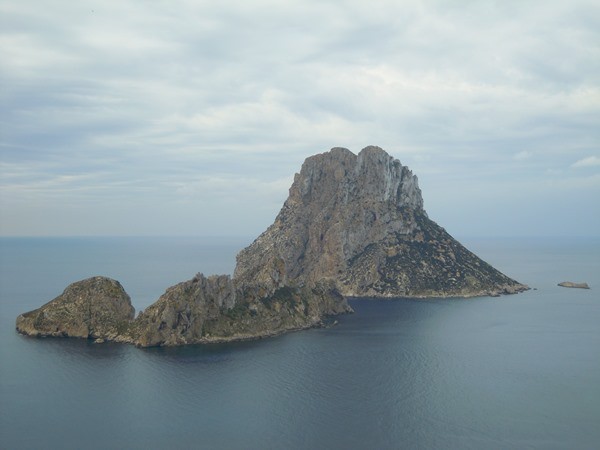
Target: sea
[519,371]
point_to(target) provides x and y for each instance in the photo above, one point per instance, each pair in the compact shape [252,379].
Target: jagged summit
[359,220]
[338,204]
[372,175]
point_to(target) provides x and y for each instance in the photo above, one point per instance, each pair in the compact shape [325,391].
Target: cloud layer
[191,117]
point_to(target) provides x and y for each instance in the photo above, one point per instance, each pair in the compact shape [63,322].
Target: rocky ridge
[353,225]
[217,309]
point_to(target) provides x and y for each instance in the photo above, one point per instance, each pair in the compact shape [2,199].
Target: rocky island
[96,308]
[570,284]
[352,226]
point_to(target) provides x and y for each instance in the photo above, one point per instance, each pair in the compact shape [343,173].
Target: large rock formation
[96,308]
[201,310]
[353,225]
[217,309]
[359,220]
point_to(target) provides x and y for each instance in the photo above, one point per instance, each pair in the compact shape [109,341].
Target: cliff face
[353,225]
[359,220]
[338,204]
[215,309]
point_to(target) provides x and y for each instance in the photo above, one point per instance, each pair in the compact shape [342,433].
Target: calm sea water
[512,372]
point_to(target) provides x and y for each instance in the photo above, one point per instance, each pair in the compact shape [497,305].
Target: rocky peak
[339,204]
[359,220]
[340,175]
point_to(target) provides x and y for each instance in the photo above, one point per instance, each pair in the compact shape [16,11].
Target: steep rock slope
[359,220]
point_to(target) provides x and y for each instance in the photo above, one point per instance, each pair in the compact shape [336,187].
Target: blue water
[512,372]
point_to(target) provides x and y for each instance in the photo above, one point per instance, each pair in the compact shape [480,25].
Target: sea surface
[519,371]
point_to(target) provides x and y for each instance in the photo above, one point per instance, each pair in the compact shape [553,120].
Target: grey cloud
[135,101]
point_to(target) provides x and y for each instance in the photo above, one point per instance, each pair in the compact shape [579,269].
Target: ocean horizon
[520,371]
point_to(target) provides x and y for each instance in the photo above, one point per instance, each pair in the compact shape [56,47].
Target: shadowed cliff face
[359,220]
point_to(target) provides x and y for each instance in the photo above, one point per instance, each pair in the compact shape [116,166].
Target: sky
[191,117]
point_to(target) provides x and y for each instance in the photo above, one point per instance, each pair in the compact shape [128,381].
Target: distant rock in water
[359,220]
[570,284]
[97,308]
[353,225]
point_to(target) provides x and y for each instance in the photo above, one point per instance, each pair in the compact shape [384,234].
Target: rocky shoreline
[352,226]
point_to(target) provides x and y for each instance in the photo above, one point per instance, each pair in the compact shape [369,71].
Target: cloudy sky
[190,117]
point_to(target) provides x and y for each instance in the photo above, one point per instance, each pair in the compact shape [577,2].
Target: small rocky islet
[352,226]
[571,284]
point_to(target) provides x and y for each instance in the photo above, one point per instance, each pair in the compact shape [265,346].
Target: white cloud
[590,161]
[522,155]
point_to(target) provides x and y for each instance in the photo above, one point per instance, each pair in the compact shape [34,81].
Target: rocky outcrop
[96,308]
[214,309]
[353,225]
[570,284]
[359,220]
[201,310]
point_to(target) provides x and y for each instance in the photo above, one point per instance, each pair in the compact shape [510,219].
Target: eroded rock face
[96,308]
[177,317]
[214,309]
[359,220]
